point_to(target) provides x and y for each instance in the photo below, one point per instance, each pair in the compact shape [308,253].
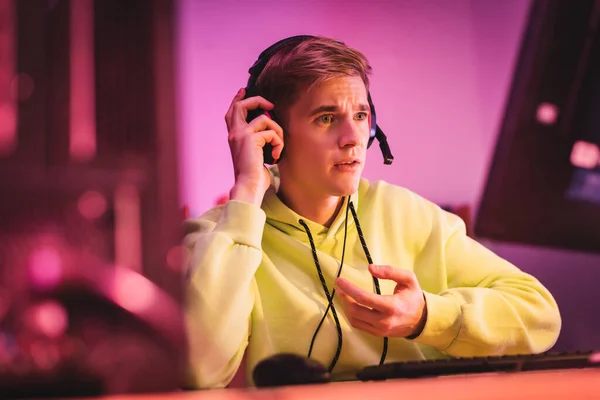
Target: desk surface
[560,384]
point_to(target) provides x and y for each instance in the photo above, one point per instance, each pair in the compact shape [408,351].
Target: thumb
[401,276]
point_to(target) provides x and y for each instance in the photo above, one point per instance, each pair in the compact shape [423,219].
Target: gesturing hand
[400,314]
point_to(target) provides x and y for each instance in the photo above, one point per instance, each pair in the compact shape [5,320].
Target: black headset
[251,90]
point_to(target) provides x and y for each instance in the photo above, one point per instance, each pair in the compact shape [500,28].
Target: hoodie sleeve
[226,251]
[490,307]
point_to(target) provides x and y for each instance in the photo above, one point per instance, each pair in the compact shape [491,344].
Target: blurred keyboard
[417,369]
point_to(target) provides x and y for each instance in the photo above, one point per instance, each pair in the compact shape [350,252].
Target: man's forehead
[338,92]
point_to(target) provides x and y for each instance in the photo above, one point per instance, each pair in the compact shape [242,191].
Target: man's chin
[345,188]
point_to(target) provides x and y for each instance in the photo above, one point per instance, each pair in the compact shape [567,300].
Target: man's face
[326,138]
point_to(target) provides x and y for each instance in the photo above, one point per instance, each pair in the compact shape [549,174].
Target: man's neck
[321,210]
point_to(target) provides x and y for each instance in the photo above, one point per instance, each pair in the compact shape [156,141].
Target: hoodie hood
[286,220]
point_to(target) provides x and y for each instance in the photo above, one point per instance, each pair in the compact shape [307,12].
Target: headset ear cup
[268,148]
[373,131]
[373,127]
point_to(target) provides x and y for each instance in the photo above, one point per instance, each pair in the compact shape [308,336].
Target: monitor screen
[543,185]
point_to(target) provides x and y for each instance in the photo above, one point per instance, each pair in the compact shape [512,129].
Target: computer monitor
[543,186]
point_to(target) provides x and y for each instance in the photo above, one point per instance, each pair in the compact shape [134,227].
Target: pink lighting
[440,76]
[82,144]
[177,257]
[133,292]
[128,236]
[8,104]
[8,128]
[45,267]
[49,318]
[92,205]
[585,155]
[547,113]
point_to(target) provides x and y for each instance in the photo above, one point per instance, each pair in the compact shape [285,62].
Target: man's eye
[326,119]
[362,115]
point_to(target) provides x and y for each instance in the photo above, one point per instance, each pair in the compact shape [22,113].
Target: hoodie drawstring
[349,206]
[375,280]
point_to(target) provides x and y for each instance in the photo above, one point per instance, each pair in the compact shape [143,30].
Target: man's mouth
[350,161]
[349,165]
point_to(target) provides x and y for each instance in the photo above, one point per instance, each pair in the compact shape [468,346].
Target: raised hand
[246,142]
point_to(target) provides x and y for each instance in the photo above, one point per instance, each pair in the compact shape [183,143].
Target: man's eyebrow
[321,109]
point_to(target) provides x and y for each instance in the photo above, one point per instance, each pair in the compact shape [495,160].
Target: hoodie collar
[286,220]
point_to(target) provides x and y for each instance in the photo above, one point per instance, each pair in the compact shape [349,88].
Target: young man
[264,264]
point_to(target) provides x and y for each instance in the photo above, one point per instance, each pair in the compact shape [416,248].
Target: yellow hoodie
[253,286]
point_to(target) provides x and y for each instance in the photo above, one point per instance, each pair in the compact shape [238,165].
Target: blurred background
[112,131]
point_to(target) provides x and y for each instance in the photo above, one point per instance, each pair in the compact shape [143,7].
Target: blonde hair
[298,67]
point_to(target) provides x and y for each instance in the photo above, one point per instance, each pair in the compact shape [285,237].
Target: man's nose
[351,132]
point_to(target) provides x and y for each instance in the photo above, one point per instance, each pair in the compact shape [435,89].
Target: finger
[359,312]
[369,299]
[401,276]
[254,102]
[353,310]
[265,122]
[270,136]
[240,109]
[351,303]
[238,96]
[344,298]
[365,327]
